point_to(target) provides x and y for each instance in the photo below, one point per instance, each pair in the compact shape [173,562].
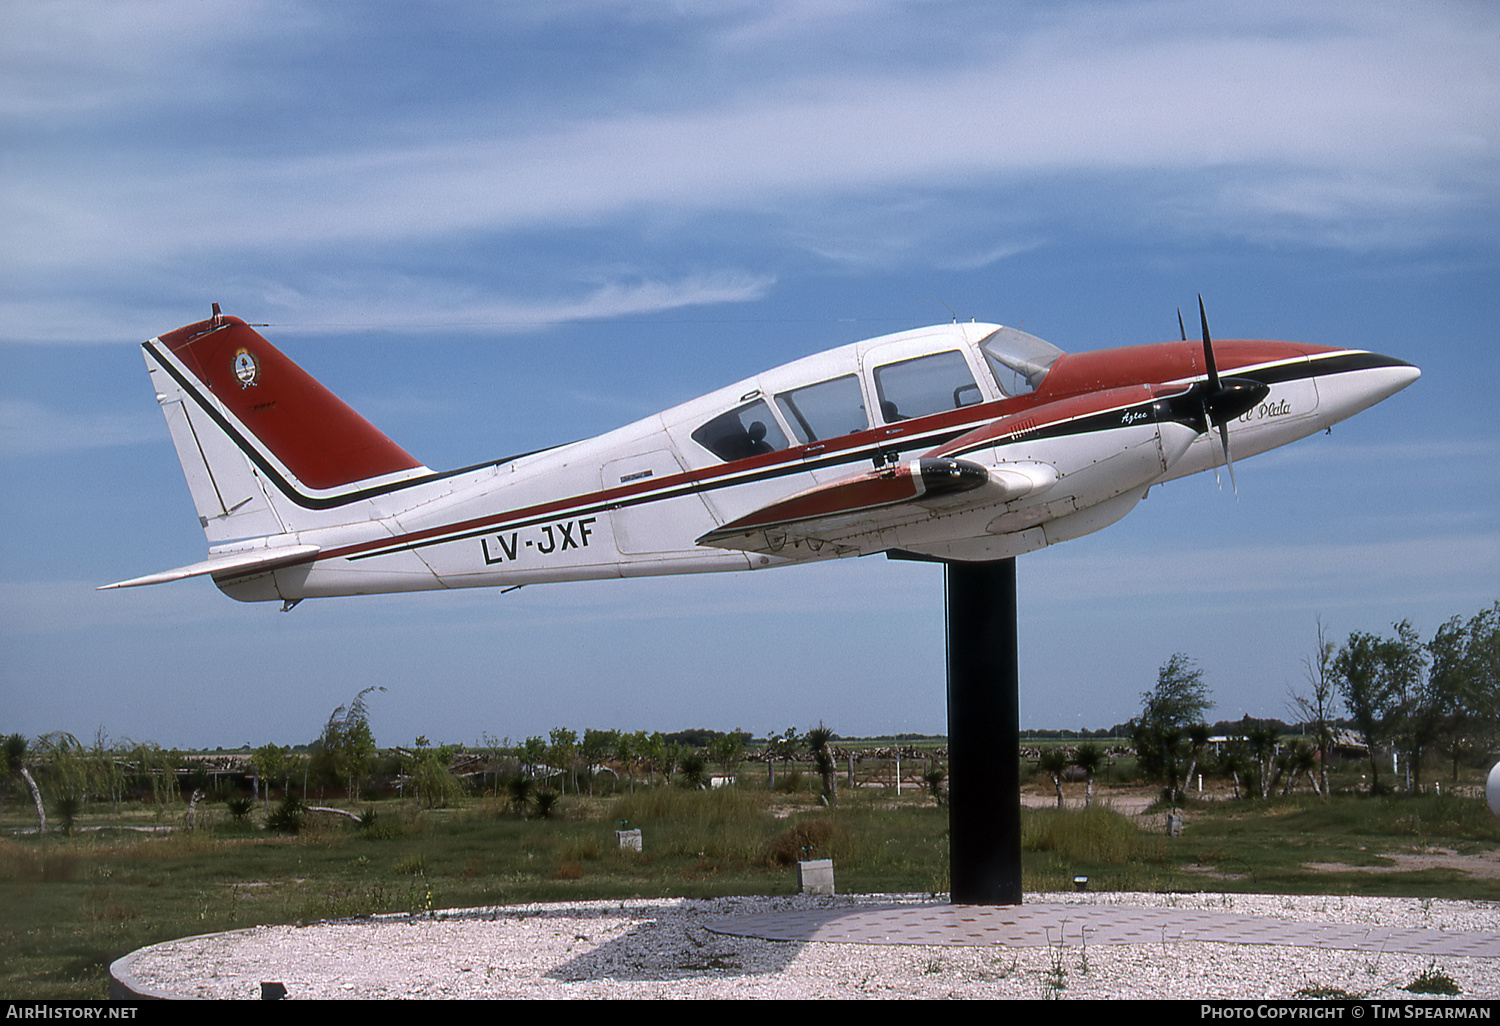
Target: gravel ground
[665,949]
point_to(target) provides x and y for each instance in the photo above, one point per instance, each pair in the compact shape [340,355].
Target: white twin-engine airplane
[957,442]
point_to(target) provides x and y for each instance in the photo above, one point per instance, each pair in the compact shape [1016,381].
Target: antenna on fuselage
[950,309]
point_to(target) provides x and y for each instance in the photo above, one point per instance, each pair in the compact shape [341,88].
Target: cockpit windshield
[1020,361]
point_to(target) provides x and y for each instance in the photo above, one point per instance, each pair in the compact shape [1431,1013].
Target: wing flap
[227,565]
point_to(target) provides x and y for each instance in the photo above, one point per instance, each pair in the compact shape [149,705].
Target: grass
[1267,847]
[71,905]
[1433,980]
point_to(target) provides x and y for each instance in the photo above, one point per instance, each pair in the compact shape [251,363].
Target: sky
[496,227]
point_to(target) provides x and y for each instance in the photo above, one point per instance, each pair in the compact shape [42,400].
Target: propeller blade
[1213,380]
[1225,397]
[1228,459]
[1208,348]
[1180,326]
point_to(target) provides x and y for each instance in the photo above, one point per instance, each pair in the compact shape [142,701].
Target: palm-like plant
[818,740]
[69,807]
[1089,757]
[694,770]
[1054,762]
[522,794]
[16,754]
[1302,759]
[934,778]
[1264,742]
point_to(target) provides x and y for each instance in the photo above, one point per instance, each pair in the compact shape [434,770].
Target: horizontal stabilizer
[230,564]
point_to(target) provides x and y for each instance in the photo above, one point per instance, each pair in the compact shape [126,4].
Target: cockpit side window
[924,386]
[748,430]
[825,410]
[1019,361]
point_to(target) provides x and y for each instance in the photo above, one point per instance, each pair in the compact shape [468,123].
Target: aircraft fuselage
[961,441]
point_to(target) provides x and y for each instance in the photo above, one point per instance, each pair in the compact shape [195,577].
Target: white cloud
[414,304]
[66,59]
[322,302]
[31,429]
[996,130]
[1323,123]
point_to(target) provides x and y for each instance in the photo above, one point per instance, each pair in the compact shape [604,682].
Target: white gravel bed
[663,949]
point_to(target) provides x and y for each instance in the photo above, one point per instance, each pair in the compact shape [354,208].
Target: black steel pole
[984,788]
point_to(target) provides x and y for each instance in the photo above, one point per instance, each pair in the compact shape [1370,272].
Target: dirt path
[1484,864]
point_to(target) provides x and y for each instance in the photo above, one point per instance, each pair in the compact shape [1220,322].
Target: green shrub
[809,839]
[68,807]
[288,817]
[1433,981]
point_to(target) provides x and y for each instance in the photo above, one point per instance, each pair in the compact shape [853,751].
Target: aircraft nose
[1406,374]
[1355,381]
[1390,377]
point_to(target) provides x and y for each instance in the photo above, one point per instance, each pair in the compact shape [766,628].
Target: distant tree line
[1397,693]
[58,774]
[1422,699]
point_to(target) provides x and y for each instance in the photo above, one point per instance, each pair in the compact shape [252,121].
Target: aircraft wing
[837,512]
[228,564]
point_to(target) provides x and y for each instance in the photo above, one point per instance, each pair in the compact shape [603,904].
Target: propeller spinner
[1220,400]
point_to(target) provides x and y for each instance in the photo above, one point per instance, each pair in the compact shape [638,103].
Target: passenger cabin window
[825,410]
[924,386]
[749,430]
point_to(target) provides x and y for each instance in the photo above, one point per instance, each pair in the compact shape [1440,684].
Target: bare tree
[1316,708]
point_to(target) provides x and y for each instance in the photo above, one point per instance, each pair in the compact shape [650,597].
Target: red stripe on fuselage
[790,460]
[1073,389]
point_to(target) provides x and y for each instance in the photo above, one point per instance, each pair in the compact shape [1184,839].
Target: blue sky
[493,227]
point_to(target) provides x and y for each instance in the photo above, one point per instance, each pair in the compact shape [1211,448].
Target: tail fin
[266,449]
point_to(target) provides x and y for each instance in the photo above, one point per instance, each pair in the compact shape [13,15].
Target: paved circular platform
[1059,924]
[881,946]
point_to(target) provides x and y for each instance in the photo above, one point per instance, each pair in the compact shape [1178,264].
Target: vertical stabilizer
[265,448]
